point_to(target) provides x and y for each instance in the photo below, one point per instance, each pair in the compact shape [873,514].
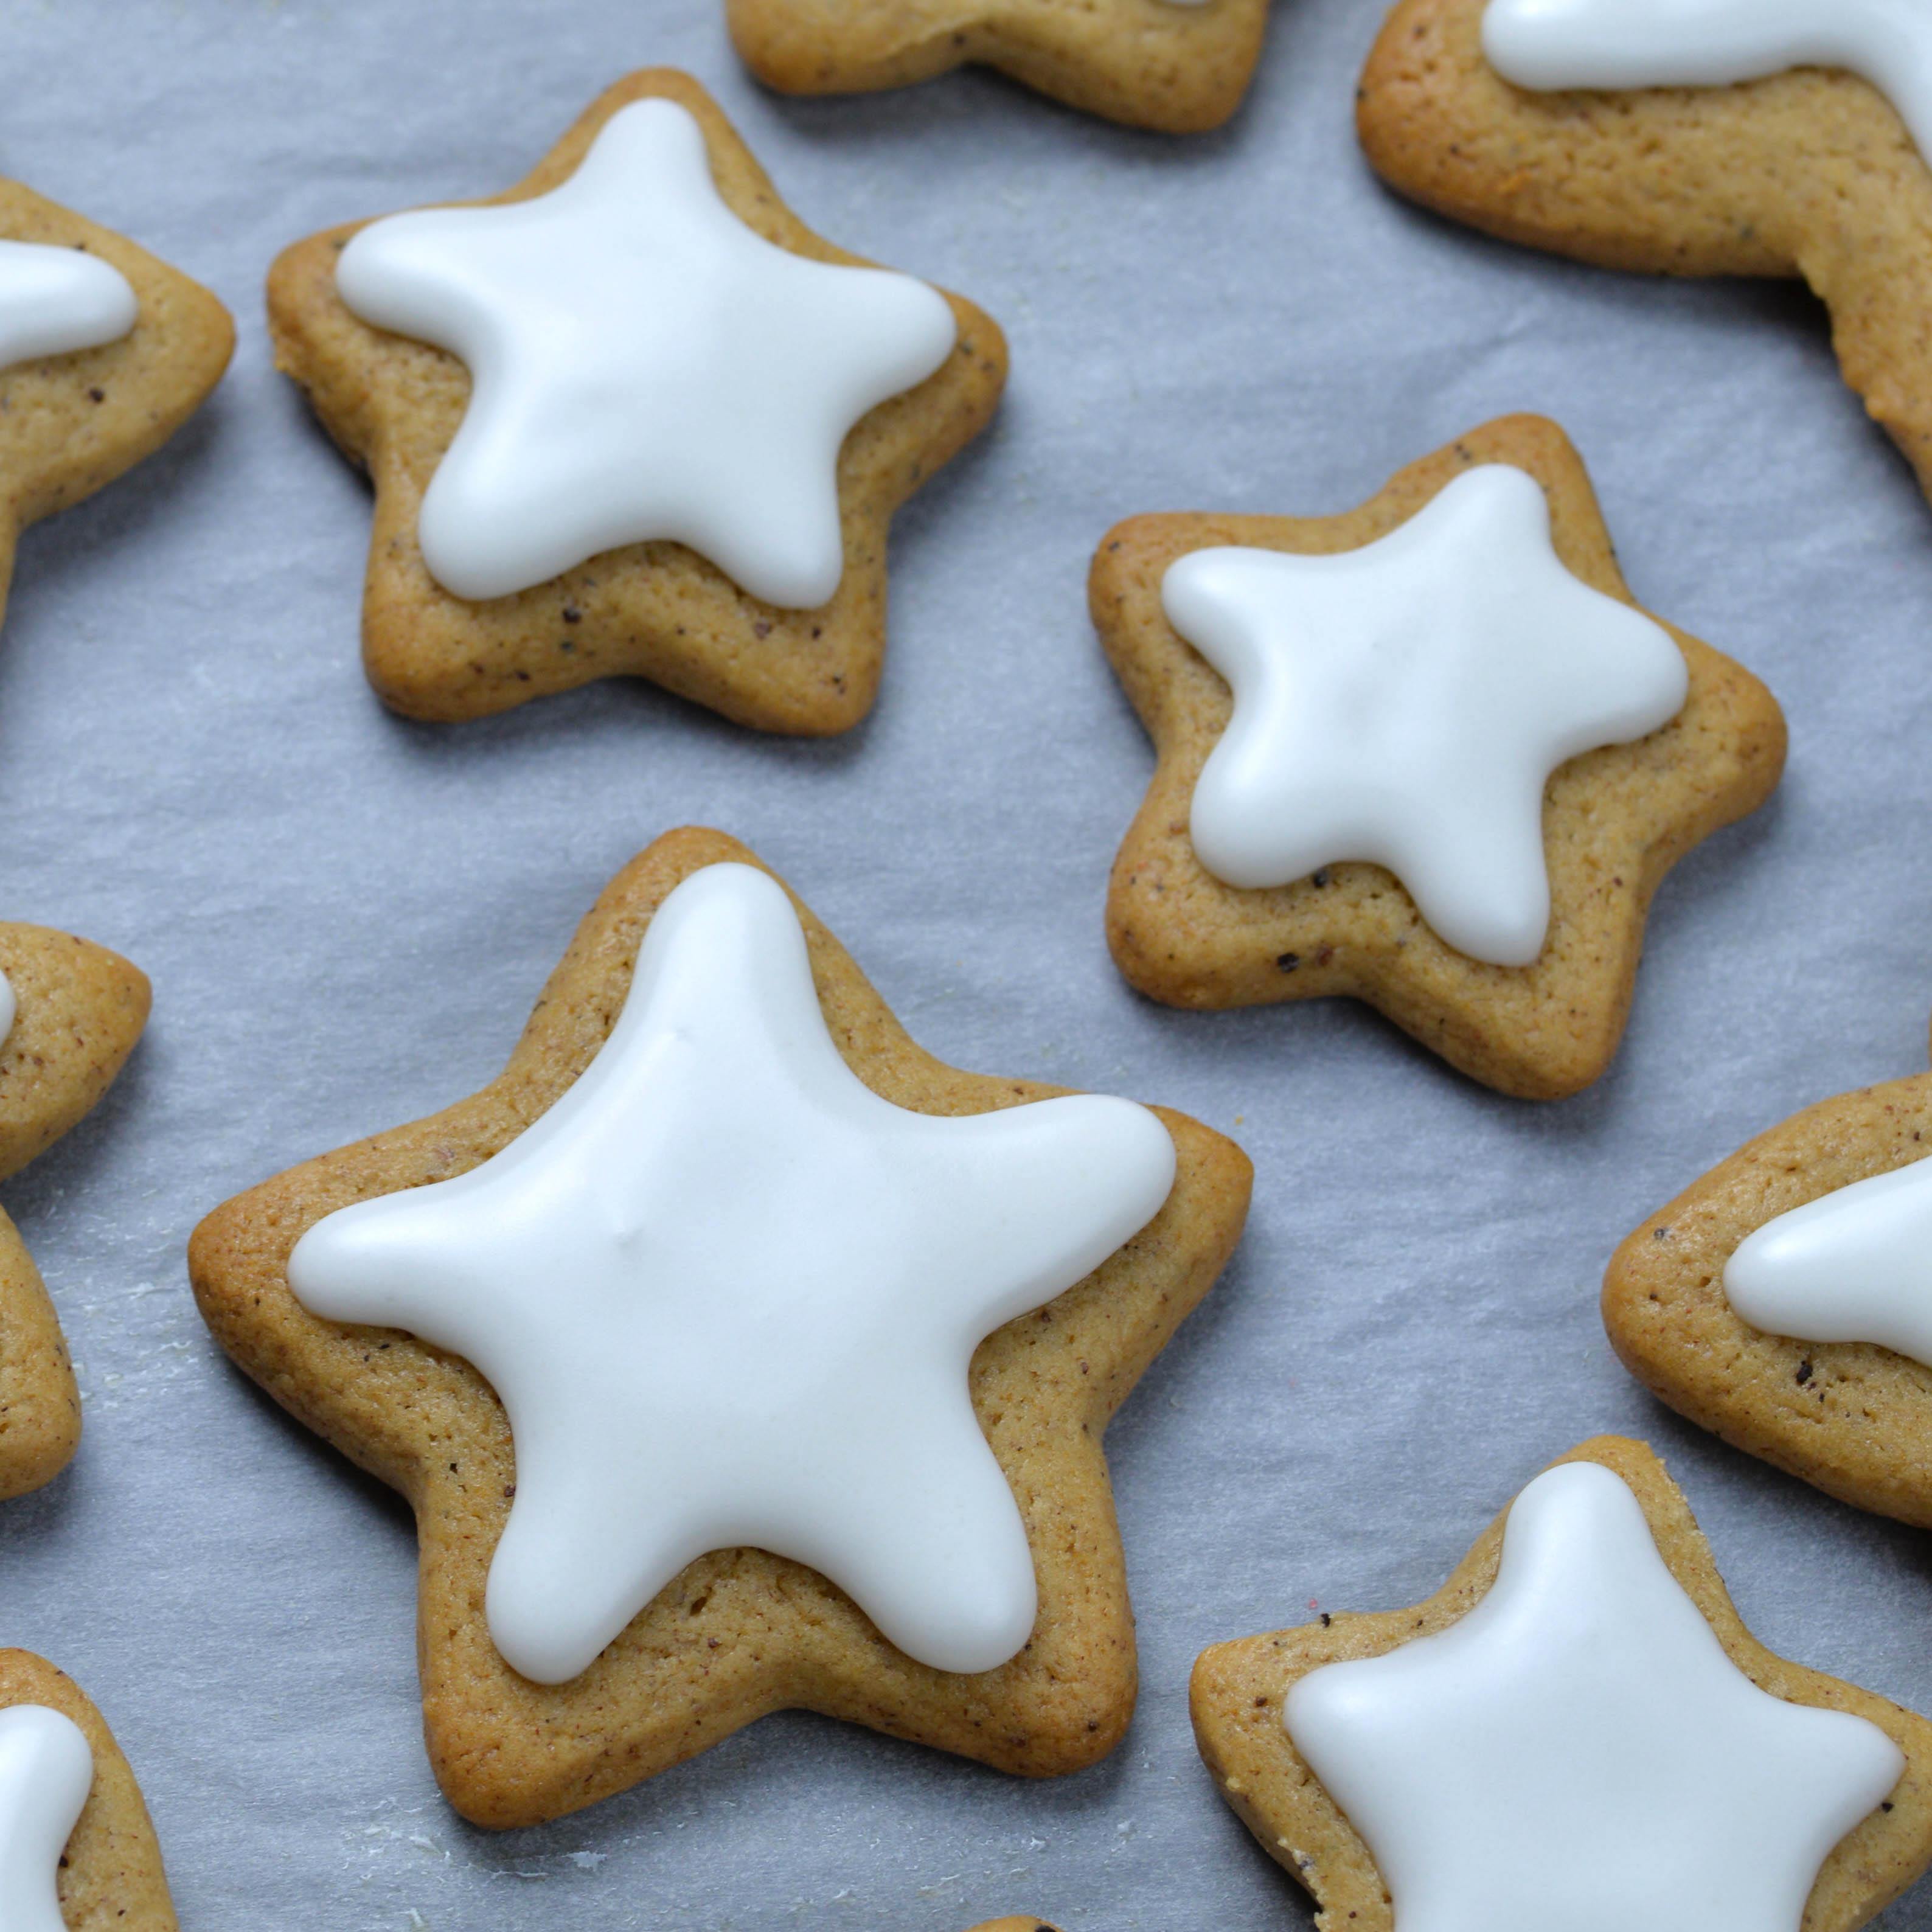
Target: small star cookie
[1774,165]
[1576,1728]
[630,418]
[104,353]
[736,1354]
[1428,752]
[1178,66]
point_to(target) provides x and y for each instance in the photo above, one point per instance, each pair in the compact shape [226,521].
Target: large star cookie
[736,1354]
[1577,1729]
[1784,1300]
[104,353]
[1428,752]
[630,417]
[1180,66]
[1808,170]
[77,1853]
[70,1014]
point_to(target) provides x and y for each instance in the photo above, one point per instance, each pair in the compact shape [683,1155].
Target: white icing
[9,1007]
[53,301]
[1578,1752]
[1854,1265]
[46,1770]
[1551,45]
[727,1296]
[1406,702]
[643,365]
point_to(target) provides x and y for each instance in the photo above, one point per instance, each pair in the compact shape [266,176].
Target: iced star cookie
[1729,137]
[70,1014]
[631,417]
[77,1853]
[734,1354]
[1577,1730]
[104,353]
[1180,66]
[1428,752]
[1784,1301]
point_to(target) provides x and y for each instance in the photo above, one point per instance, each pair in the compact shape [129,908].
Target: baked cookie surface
[1178,66]
[658,609]
[737,1632]
[1614,819]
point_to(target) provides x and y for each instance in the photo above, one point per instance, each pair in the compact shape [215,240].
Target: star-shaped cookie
[1819,1381]
[1576,1728]
[1178,66]
[102,359]
[626,1154]
[1807,173]
[77,1852]
[72,1013]
[663,435]
[1354,644]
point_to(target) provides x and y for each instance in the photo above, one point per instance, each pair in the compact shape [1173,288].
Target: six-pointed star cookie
[1612,820]
[1809,173]
[1820,1393]
[738,1631]
[663,365]
[101,359]
[1180,66]
[1577,1729]
[77,1852]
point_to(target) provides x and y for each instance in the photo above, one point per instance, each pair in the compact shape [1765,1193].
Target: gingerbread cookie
[1429,753]
[1180,66]
[104,353]
[77,1853]
[630,417]
[1577,1729]
[70,1015]
[1014,1925]
[1782,1300]
[672,1358]
[1686,141]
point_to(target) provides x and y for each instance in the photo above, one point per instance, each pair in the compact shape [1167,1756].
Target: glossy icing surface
[54,300]
[46,1770]
[727,1296]
[1578,1752]
[1406,702]
[642,366]
[9,1007]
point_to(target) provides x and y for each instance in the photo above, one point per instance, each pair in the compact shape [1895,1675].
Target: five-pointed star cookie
[691,415]
[1576,1728]
[738,1631]
[1613,819]
[101,361]
[1809,173]
[1180,66]
[1820,1393]
[77,1852]
[72,1012]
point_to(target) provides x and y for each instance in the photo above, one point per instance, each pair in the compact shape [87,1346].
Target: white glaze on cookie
[1406,702]
[727,1296]
[1553,45]
[1854,1265]
[1578,1752]
[642,366]
[46,1770]
[9,1007]
[54,300]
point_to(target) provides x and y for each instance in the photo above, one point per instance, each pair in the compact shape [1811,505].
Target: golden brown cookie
[1615,819]
[1169,64]
[71,423]
[79,1009]
[1852,1417]
[740,1633]
[656,609]
[1239,1690]
[1809,173]
[1022,1925]
[111,1879]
